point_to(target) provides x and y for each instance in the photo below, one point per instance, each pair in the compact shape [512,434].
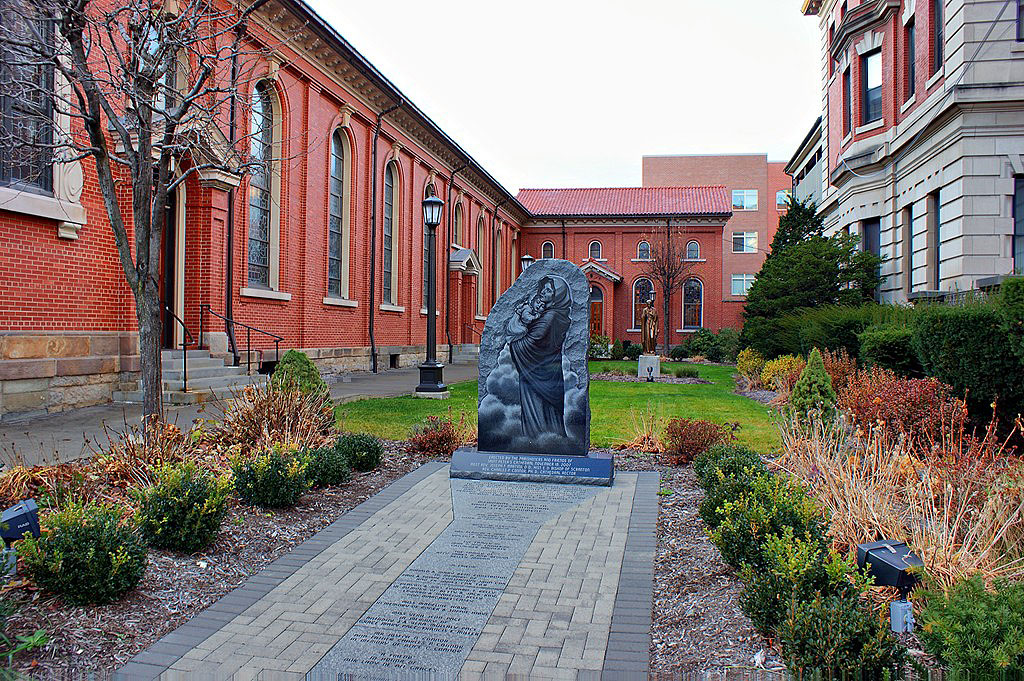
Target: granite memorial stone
[534,409]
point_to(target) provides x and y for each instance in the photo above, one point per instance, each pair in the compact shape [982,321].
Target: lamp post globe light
[526,260]
[432,371]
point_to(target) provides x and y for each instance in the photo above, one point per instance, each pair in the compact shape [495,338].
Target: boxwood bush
[91,554]
[719,461]
[327,466]
[183,511]
[633,352]
[296,371]
[364,452]
[273,478]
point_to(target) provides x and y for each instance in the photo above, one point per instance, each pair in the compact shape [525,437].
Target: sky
[573,93]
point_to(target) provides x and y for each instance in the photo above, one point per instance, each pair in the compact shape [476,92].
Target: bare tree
[151,92]
[668,267]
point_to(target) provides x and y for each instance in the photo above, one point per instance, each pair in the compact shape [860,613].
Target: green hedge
[967,346]
[890,347]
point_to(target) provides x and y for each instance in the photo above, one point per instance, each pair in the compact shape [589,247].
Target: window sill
[480,318]
[340,302]
[642,260]
[1017,47]
[71,216]
[696,259]
[738,253]
[909,103]
[386,307]
[847,139]
[265,293]
[423,311]
[939,75]
[632,330]
[873,125]
[744,210]
[689,330]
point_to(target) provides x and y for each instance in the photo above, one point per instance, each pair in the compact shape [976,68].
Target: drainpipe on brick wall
[229,279]
[564,247]
[447,255]
[494,246]
[373,235]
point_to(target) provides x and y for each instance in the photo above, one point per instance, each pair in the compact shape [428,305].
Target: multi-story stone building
[922,137]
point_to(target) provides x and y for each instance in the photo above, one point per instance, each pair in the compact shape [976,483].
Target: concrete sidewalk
[69,435]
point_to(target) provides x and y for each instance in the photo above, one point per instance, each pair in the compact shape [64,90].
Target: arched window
[389,259]
[643,251]
[496,265]
[643,289]
[428,191]
[547,251]
[480,276]
[457,235]
[337,217]
[595,250]
[693,251]
[264,190]
[693,304]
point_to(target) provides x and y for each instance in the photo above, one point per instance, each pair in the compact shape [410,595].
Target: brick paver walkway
[578,604]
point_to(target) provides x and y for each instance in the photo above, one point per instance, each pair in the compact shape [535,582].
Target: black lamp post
[432,371]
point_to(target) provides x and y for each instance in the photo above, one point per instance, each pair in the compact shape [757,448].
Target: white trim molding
[908,11]
[340,302]
[871,42]
[265,293]
[387,307]
[69,214]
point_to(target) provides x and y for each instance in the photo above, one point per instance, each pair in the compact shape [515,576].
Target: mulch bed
[698,625]
[762,396]
[175,587]
[628,378]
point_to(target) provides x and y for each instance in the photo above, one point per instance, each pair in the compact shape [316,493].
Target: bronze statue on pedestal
[649,328]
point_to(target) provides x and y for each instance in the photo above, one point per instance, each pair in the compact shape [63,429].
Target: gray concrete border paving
[627,653]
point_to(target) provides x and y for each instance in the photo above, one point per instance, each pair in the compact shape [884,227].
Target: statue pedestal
[472,464]
[645,361]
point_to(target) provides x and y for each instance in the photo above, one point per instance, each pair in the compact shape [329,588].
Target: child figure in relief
[527,312]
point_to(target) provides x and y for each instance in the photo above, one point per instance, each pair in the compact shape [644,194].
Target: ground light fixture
[432,371]
[891,563]
[15,523]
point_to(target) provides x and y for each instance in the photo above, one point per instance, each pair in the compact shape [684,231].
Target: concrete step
[193,363]
[200,384]
[169,354]
[177,398]
[203,372]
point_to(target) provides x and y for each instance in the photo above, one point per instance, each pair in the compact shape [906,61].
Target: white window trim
[640,260]
[873,125]
[600,251]
[757,201]
[346,209]
[340,302]
[423,311]
[265,293]
[387,307]
[909,103]
[480,318]
[744,251]
[939,75]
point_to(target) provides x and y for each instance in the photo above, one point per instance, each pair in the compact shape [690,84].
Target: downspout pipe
[494,243]
[447,254]
[373,236]
[564,246]
[229,280]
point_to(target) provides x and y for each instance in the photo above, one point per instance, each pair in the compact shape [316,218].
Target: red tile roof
[627,201]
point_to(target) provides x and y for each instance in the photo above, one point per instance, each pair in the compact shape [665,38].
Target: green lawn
[612,406]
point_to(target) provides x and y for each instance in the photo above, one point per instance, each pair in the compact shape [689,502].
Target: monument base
[646,361]
[468,462]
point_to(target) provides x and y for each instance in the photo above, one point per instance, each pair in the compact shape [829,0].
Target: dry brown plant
[960,505]
[131,456]
[647,423]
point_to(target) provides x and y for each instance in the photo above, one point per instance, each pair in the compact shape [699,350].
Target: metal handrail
[184,346]
[204,308]
[473,329]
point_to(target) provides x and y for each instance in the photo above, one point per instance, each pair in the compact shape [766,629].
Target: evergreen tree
[800,222]
[813,390]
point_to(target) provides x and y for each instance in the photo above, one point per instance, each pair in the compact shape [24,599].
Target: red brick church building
[292,257]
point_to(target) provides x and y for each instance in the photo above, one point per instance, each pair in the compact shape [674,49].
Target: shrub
[972,629]
[705,344]
[327,466]
[598,347]
[678,353]
[1011,307]
[184,509]
[362,451]
[772,503]
[686,438]
[794,570]
[813,391]
[723,460]
[295,371]
[273,478]
[750,364]
[618,352]
[260,416]
[838,637]
[965,346]
[683,372]
[88,553]
[726,488]
[781,373]
[728,344]
[840,367]
[439,437]
[890,347]
[917,408]
[634,351]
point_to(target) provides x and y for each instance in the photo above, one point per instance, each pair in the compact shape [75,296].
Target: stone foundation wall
[339,360]
[45,372]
